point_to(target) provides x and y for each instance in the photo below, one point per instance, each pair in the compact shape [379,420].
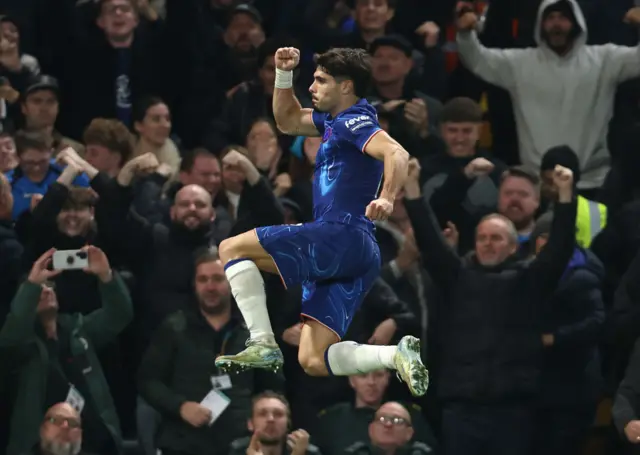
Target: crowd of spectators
[141,133]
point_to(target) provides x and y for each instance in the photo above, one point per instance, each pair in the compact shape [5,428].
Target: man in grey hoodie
[562,90]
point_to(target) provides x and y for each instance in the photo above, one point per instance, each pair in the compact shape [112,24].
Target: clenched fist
[478,168]
[563,178]
[287,58]
[467,18]
[379,210]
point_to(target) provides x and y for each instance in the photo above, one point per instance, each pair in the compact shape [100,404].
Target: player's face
[493,242]
[325,91]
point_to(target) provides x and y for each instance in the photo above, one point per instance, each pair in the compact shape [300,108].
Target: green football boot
[409,366]
[258,354]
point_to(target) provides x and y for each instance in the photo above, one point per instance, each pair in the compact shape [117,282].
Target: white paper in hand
[216,402]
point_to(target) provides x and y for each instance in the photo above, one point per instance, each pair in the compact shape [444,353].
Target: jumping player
[336,257]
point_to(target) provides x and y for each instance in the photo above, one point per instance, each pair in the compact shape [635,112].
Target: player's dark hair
[348,64]
[189,159]
[522,172]
[31,140]
[461,110]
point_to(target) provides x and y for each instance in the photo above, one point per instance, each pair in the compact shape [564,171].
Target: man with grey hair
[489,321]
[60,432]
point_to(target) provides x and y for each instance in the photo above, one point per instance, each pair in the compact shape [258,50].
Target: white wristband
[284,79]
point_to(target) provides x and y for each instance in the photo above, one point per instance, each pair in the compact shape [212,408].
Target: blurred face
[518,200]
[556,29]
[192,207]
[370,387]
[372,15]
[103,159]
[325,91]
[10,32]
[61,431]
[391,427]
[156,125]
[75,222]
[8,157]
[48,303]
[271,420]
[212,288]
[268,75]
[494,243]
[118,19]
[261,140]
[40,109]
[35,164]
[461,138]
[240,31]
[548,189]
[390,65]
[206,173]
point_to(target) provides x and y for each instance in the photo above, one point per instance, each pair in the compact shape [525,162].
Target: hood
[580,40]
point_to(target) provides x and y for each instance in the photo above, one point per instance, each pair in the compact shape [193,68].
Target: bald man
[193,209]
[60,432]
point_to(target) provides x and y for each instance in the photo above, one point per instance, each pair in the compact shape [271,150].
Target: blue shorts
[335,263]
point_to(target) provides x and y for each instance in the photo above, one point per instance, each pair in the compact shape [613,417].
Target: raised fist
[563,178]
[287,58]
[234,158]
[467,18]
[478,168]
[144,164]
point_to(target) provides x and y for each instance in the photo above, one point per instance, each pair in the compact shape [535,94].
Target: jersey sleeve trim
[364,147]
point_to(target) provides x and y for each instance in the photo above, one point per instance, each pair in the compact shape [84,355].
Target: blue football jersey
[346,179]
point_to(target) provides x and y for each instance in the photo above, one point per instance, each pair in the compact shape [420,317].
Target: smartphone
[70,260]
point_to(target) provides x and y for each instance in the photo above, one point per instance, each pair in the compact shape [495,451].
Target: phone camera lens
[82,255]
[70,259]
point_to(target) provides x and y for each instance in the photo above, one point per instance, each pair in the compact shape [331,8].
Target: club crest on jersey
[327,134]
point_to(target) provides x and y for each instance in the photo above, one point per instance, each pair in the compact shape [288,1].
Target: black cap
[397,41]
[43,82]
[245,8]
[562,155]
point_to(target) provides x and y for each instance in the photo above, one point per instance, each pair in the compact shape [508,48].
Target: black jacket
[575,316]
[178,367]
[491,316]
[626,405]
[10,261]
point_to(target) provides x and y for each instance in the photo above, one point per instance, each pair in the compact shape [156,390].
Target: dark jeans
[471,429]
[562,431]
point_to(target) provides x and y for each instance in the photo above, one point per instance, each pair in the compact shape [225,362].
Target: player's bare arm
[290,117]
[396,167]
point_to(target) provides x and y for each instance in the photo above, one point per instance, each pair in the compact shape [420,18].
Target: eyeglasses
[58,421]
[393,420]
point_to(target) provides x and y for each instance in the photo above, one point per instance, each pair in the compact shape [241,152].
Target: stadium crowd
[141,133]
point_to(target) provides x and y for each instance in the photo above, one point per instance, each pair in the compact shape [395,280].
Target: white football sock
[347,358]
[247,287]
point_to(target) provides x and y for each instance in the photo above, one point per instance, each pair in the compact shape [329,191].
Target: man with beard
[60,432]
[177,371]
[53,355]
[562,90]
[270,422]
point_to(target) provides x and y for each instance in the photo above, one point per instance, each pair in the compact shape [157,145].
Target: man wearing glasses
[391,432]
[60,432]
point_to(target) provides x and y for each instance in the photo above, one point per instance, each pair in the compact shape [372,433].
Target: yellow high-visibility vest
[590,220]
